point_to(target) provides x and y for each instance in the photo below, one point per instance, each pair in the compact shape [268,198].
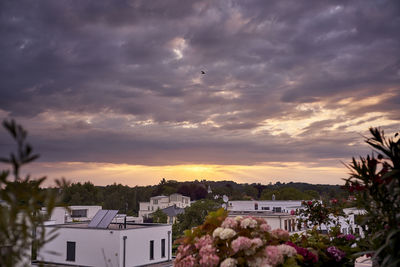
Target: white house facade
[265,205]
[136,245]
[162,202]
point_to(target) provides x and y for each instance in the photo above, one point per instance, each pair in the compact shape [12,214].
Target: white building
[162,202]
[277,220]
[79,245]
[347,224]
[61,215]
[267,205]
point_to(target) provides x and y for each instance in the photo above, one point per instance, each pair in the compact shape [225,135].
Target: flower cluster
[336,253]
[239,241]
[307,255]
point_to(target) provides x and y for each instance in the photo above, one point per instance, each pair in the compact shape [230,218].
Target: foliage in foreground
[21,222]
[376,183]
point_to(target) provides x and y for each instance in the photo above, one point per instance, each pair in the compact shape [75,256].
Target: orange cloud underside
[107,173]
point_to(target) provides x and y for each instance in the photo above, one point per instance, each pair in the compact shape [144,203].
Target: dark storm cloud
[140,62]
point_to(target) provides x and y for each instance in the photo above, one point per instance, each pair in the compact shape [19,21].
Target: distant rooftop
[112,226]
[265,213]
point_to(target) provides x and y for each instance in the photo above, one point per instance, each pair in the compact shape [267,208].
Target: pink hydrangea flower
[188,261]
[229,223]
[258,261]
[256,242]
[280,234]
[208,257]
[203,241]
[273,255]
[265,227]
[241,243]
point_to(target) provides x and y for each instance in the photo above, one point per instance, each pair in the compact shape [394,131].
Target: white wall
[249,205]
[138,245]
[90,244]
[104,247]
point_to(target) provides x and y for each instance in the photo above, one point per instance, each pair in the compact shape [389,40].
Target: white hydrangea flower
[287,250]
[227,233]
[248,223]
[238,218]
[229,262]
[217,232]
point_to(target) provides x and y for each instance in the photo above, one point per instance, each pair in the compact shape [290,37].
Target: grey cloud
[262,59]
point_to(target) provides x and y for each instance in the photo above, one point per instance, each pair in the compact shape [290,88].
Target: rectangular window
[155,201]
[70,251]
[277,209]
[151,249]
[162,248]
[265,208]
[286,225]
[290,225]
[255,206]
[79,213]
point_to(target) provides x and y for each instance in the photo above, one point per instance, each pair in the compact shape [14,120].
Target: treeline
[126,199]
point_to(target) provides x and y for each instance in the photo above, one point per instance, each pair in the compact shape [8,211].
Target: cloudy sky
[112,91]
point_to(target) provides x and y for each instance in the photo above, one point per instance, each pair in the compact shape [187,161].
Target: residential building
[347,224]
[265,205]
[162,202]
[277,220]
[61,215]
[113,244]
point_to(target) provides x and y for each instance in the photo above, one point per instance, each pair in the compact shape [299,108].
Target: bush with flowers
[331,249]
[240,241]
[330,246]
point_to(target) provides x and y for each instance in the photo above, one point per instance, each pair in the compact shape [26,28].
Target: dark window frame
[163,248]
[151,249]
[71,251]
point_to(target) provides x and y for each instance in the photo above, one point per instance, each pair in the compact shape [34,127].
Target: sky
[113,91]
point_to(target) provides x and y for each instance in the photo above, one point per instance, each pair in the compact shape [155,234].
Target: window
[79,213]
[151,249]
[290,226]
[255,206]
[357,230]
[293,225]
[155,201]
[162,248]
[70,251]
[286,225]
[277,209]
[265,208]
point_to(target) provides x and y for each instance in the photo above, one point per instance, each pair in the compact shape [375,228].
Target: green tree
[193,216]
[159,216]
[21,221]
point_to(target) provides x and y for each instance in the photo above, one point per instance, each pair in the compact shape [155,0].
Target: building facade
[162,202]
[136,245]
[265,205]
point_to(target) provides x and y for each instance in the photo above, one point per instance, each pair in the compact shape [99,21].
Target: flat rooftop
[112,226]
[263,213]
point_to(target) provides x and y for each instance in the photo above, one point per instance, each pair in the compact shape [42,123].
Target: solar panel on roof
[97,218]
[105,222]
[102,219]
